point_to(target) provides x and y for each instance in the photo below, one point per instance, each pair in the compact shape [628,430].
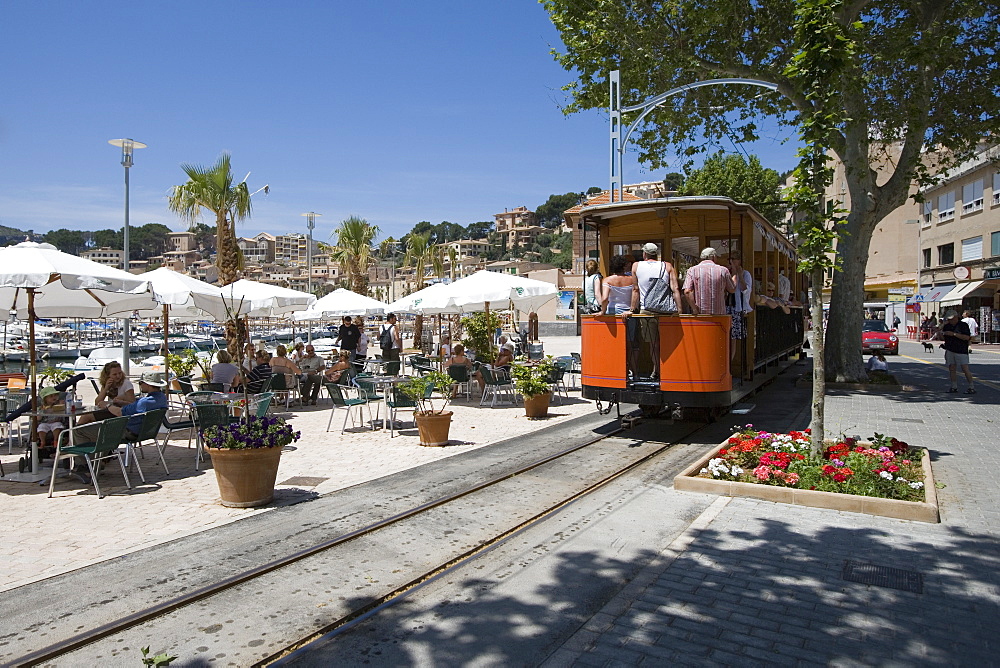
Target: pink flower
[762,473]
[906,461]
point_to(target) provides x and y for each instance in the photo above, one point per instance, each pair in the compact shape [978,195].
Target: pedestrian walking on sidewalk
[956,335]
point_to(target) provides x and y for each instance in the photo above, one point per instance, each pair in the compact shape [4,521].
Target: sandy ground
[44,536]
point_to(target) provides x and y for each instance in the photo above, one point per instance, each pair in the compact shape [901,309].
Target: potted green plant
[182,364]
[480,329]
[532,382]
[245,456]
[55,375]
[433,423]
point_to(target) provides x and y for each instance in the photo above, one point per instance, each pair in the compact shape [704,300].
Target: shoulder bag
[659,296]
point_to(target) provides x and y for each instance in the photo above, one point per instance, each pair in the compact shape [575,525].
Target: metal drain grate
[303,481]
[883,576]
[907,420]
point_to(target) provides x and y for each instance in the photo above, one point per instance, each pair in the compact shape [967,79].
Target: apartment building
[516,227]
[960,235]
[110,257]
[182,241]
[293,249]
[466,248]
[259,249]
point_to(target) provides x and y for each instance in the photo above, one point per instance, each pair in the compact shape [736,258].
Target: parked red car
[877,337]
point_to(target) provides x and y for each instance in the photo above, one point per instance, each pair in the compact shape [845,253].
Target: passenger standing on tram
[592,288]
[741,299]
[617,290]
[706,285]
[650,268]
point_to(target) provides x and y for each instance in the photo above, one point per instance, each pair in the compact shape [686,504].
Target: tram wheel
[650,411]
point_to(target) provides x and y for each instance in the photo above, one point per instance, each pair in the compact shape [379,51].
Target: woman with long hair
[616,290]
[116,390]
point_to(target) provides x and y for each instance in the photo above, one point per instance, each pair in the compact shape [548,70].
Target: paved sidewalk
[758,583]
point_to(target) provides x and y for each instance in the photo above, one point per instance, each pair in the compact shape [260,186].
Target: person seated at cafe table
[225,372]
[151,385]
[459,359]
[311,366]
[116,390]
[281,364]
[505,358]
[259,374]
[333,374]
[50,424]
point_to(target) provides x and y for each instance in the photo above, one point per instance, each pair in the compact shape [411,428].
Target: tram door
[642,337]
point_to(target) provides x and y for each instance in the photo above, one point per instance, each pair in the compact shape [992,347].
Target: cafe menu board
[566,305]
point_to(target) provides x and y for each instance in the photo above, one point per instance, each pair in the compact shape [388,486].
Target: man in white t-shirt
[971,322]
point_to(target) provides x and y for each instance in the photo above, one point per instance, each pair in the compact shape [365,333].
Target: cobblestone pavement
[45,537]
[758,583]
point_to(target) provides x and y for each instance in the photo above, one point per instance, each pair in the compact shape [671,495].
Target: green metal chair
[212,387]
[205,416]
[556,380]
[392,367]
[497,384]
[369,391]
[109,439]
[340,398]
[459,373]
[281,385]
[398,402]
[262,403]
[148,431]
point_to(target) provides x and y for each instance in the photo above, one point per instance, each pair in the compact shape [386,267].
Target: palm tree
[420,253]
[353,251]
[212,188]
[452,262]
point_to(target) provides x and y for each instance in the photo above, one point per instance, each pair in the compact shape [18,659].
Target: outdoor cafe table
[385,383]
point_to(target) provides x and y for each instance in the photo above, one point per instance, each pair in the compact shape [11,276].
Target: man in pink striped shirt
[706,285]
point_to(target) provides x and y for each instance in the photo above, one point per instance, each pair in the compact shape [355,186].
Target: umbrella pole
[33,367]
[166,343]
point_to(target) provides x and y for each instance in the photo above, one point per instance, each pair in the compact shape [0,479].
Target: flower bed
[882,477]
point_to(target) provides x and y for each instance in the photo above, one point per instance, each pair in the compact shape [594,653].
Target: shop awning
[960,292]
[933,294]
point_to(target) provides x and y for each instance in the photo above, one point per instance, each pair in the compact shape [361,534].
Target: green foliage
[353,251]
[148,240]
[734,177]
[533,380]
[156,661]
[479,330]
[415,387]
[673,181]
[54,375]
[184,362]
[550,214]
[478,230]
[68,241]
[594,190]
[107,238]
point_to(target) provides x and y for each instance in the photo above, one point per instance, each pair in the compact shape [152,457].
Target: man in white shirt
[971,322]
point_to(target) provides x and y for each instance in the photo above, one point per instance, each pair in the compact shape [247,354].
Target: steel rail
[387,600]
[160,609]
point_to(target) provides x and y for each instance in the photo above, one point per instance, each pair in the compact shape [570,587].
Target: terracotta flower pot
[433,428]
[246,477]
[538,405]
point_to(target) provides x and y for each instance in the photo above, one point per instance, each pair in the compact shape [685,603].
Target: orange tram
[688,361]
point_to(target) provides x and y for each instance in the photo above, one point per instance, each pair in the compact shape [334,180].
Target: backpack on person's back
[385,339]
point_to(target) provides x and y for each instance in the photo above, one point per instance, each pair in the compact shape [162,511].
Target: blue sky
[393,111]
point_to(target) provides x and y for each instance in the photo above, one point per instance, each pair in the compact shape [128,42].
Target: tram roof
[608,211]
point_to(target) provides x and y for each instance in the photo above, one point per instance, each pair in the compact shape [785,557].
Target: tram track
[363,539]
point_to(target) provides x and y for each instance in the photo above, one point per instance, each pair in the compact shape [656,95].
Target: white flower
[916,485]
[901,479]
[736,471]
[886,475]
[705,470]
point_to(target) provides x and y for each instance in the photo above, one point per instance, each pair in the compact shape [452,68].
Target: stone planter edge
[918,511]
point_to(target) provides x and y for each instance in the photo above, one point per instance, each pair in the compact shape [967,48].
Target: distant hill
[10,231]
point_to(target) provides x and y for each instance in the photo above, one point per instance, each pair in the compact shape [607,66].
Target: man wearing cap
[151,385]
[706,285]
[643,274]
[956,335]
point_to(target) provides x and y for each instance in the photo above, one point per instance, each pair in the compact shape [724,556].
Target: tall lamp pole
[127,146]
[920,257]
[310,225]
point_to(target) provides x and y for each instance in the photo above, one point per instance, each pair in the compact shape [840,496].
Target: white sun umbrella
[339,303]
[429,301]
[37,280]
[265,300]
[484,289]
[188,297]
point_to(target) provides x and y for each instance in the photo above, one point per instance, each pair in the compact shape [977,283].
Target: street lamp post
[920,252]
[127,146]
[310,225]
[619,141]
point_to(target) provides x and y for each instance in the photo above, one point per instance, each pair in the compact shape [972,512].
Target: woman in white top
[617,289]
[742,303]
[592,287]
[116,390]
[361,352]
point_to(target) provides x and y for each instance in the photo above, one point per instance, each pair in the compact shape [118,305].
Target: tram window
[684,253]
[724,246]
